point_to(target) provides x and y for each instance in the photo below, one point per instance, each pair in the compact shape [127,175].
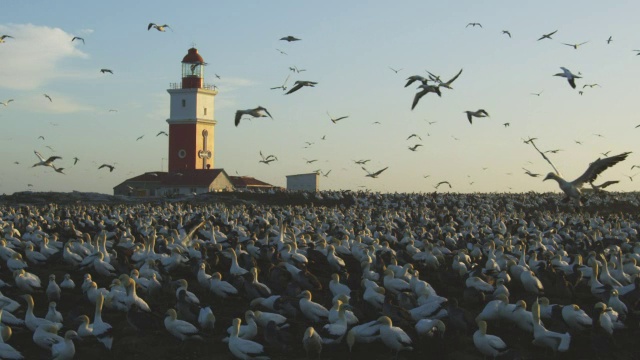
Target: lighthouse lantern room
[191,122]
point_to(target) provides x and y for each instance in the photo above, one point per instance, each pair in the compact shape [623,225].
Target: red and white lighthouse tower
[191,122]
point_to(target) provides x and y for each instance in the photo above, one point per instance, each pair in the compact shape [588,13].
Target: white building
[304,182]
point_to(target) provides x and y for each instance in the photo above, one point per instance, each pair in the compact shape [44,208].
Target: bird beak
[547,177]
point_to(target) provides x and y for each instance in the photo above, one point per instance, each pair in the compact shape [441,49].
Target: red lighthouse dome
[192,70]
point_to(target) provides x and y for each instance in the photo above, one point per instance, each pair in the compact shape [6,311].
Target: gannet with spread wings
[572,188]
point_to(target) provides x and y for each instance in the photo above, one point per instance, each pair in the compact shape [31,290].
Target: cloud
[33,56]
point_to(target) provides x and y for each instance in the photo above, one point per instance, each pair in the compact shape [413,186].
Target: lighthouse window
[205,111]
[184,102]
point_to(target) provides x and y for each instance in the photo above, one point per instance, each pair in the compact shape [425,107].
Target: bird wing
[572,82]
[266,111]
[379,171]
[454,78]
[469,117]
[597,167]
[297,87]
[150,26]
[52,158]
[607,183]
[417,98]
[38,155]
[238,116]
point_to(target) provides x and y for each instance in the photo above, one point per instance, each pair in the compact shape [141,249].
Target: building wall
[303,182]
[182,137]
[195,103]
[222,182]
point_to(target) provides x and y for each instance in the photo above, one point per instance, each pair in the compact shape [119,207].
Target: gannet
[312,310]
[543,337]
[488,345]
[248,331]
[65,350]
[425,90]
[161,28]
[100,329]
[77,38]
[478,113]
[5,37]
[571,78]
[110,167]
[244,349]
[179,328]
[290,38]
[311,342]
[473,24]
[375,174]
[47,162]
[31,320]
[46,335]
[335,120]
[53,315]
[104,71]
[575,46]
[572,188]
[256,112]
[299,84]
[506,32]
[547,36]
[393,337]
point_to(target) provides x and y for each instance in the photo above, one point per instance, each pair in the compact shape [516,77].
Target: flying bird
[375,174]
[590,85]
[5,103]
[77,38]
[414,135]
[442,183]
[268,159]
[414,147]
[48,97]
[572,188]
[139,137]
[448,83]
[506,124]
[47,162]
[609,40]
[599,135]
[110,167]
[571,78]
[5,37]
[40,137]
[283,86]
[290,38]
[361,162]
[161,28]
[631,176]
[394,70]
[473,25]
[335,120]
[310,161]
[257,112]
[299,84]
[578,142]
[547,36]
[575,46]
[106,71]
[326,174]
[425,90]
[281,52]
[75,160]
[162,133]
[479,114]
[537,94]
[59,170]
[413,78]
[506,32]
[296,70]
[530,173]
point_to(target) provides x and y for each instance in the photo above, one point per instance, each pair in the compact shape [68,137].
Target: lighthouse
[191,121]
[191,144]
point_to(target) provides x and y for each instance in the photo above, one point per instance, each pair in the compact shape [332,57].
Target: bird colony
[389,275]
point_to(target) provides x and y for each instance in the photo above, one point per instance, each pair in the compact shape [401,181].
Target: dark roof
[179,178]
[193,57]
[247,181]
